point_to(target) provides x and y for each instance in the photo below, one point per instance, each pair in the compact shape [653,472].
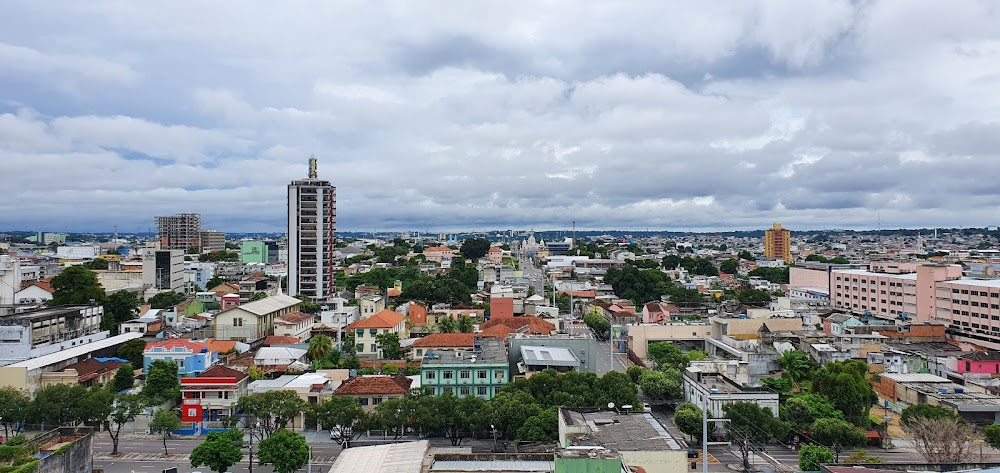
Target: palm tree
[319,346]
[466,324]
[796,364]
[446,325]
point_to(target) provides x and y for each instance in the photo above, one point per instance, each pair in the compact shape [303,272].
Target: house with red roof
[191,357]
[36,293]
[93,371]
[374,390]
[527,324]
[294,324]
[656,312]
[439,254]
[367,330]
[212,394]
[442,342]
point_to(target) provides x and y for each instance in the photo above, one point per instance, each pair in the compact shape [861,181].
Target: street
[604,359]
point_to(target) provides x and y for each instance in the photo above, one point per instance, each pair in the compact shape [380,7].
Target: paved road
[534,274]
[604,359]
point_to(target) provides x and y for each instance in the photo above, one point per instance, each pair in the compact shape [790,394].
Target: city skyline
[455,116]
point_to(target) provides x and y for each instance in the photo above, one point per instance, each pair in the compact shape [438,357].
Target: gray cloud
[450,115]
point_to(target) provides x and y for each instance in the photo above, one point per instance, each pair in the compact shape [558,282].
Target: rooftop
[47,312]
[405,457]
[269,304]
[73,352]
[622,432]
[452,340]
[488,350]
[384,319]
[295,317]
[549,356]
[359,385]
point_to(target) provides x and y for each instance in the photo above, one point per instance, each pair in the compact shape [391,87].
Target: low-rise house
[371,304]
[655,312]
[539,358]
[439,254]
[253,320]
[374,390]
[149,324]
[712,390]
[37,293]
[482,372]
[441,342]
[280,358]
[212,394]
[191,357]
[367,330]
[295,324]
[837,324]
[89,372]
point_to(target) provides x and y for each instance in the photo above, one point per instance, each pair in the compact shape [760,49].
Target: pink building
[495,255]
[979,362]
[438,254]
[229,301]
[655,312]
[969,307]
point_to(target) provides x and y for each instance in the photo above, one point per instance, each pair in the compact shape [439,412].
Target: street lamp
[253,428]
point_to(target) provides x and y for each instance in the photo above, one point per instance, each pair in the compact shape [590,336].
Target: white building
[713,390]
[10,279]
[312,214]
[197,274]
[78,252]
[162,270]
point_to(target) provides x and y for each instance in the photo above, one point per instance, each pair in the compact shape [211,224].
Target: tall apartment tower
[778,243]
[179,232]
[312,215]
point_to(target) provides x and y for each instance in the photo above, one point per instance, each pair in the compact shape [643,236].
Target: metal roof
[548,356]
[73,352]
[270,304]
[394,458]
[526,466]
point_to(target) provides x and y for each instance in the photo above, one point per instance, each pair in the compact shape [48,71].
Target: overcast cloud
[473,115]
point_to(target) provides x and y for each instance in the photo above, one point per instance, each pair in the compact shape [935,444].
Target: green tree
[614,387]
[541,427]
[162,383]
[219,451]
[76,285]
[96,264]
[819,406]
[991,433]
[508,411]
[775,275]
[15,406]
[749,424]
[287,451]
[446,325]
[797,414]
[273,409]
[474,248]
[633,372]
[124,378]
[58,404]
[118,308]
[165,300]
[307,306]
[812,456]
[688,419]
[258,296]
[730,266]
[797,365]
[667,355]
[660,386]
[389,343]
[212,283]
[844,384]
[319,346]
[925,411]
[746,255]
[756,297]
[126,408]
[837,434]
[466,324]
[600,325]
[132,351]
[459,415]
[164,422]
[342,416]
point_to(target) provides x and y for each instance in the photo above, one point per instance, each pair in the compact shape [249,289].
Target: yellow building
[778,243]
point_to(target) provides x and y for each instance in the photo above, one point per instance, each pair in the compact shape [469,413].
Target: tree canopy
[118,308]
[474,248]
[287,451]
[162,383]
[844,384]
[812,456]
[76,285]
[165,300]
[164,423]
[837,434]
[219,451]
[132,351]
[389,344]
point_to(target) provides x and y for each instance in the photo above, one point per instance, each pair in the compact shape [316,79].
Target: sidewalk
[181,457]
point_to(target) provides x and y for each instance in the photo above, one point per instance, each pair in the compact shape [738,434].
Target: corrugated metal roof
[914,378]
[526,466]
[395,458]
[69,353]
[270,304]
[549,356]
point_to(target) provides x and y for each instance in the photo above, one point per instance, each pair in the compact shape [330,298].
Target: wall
[589,465]
[79,458]
[657,462]
[501,308]
[585,348]
[643,335]
[807,277]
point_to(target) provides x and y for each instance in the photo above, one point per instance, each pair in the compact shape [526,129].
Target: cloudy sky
[470,115]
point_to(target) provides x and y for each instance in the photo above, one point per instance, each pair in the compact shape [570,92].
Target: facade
[482,371]
[778,243]
[312,214]
[259,252]
[253,320]
[212,240]
[439,254]
[191,357]
[371,304]
[294,324]
[197,275]
[581,347]
[439,342]
[367,330]
[10,279]
[374,390]
[495,255]
[712,390]
[212,395]
[179,232]
[40,332]
[163,270]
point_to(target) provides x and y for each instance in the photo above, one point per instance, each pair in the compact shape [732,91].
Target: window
[238,322]
[373,332]
[364,401]
[376,401]
[481,390]
[498,374]
[420,352]
[374,348]
[448,389]
[448,374]
[496,390]
[481,374]
[464,390]
[431,374]
[464,374]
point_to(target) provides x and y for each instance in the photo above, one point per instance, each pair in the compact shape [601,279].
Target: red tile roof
[360,385]
[534,324]
[393,292]
[437,249]
[219,371]
[176,342]
[279,340]
[295,317]
[450,340]
[91,368]
[384,319]
[45,286]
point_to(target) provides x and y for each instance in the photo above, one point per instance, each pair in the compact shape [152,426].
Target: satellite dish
[611,405]
[627,407]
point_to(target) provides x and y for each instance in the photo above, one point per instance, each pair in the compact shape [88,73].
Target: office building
[312,213]
[163,270]
[212,240]
[255,251]
[778,243]
[179,232]
[482,371]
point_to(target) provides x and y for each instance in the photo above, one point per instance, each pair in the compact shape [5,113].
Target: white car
[646,407]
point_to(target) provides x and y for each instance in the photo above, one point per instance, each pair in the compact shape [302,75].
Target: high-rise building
[778,243]
[162,270]
[312,214]
[179,232]
[212,240]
